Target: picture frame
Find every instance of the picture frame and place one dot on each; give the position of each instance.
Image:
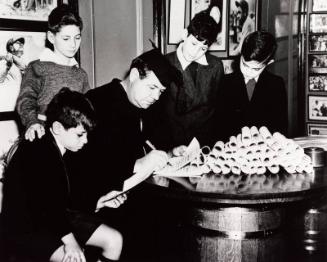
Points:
(317, 64)
(318, 43)
(27, 10)
(317, 129)
(318, 23)
(176, 14)
(317, 108)
(318, 83)
(241, 25)
(219, 12)
(319, 5)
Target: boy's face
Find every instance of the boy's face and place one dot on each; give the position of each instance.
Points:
(144, 92)
(72, 139)
(67, 41)
(252, 69)
(193, 49)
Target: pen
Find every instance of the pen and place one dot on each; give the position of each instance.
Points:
(150, 145)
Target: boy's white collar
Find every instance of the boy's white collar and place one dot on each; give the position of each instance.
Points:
(48, 55)
(202, 60)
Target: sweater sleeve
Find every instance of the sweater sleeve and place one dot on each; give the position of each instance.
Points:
(27, 106)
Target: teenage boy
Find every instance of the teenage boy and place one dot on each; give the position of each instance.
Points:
(186, 110)
(252, 96)
(39, 222)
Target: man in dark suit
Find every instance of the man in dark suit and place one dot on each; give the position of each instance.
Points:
(251, 95)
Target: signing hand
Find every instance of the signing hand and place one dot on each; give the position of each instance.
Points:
(35, 128)
(109, 200)
(153, 161)
(179, 151)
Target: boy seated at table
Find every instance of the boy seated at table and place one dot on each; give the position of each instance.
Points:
(39, 222)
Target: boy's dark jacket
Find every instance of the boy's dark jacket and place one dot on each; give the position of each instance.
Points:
(36, 193)
(268, 106)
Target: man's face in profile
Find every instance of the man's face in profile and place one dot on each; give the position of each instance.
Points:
(241, 15)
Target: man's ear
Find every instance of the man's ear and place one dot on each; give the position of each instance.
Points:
(184, 34)
(134, 74)
(50, 37)
(57, 127)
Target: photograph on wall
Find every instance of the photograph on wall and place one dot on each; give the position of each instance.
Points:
(318, 43)
(176, 25)
(317, 106)
(17, 49)
(318, 83)
(22, 46)
(318, 23)
(317, 64)
(242, 21)
(319, 5)
(317, 130)
(218, 10)
(37, 10)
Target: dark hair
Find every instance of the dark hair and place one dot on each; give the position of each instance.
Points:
(203, 27)
(71, 109)
(141, 66)
(61, 16)
(243, 5)
(259, 46)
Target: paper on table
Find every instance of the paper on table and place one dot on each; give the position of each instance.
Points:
(175, 163)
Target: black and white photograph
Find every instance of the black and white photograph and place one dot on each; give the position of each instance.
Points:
(318, 83)
(242, 21)
(37, 10)
(318, 43)
(318, 23)
(317, 106)
(163, 130)
(317, 130)
(218, 10)
(317, 64)
(319, 6)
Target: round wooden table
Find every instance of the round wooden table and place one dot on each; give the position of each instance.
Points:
(241, 206)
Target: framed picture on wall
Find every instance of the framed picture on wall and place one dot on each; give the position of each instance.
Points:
(319, 5)
(219, 13)
(318, 23)
(318, 83)
(317, 130)
(243, 19)
(318, 43)
(317, 108)
(26, 46)
(176, 24)
(317, 64)
(27, 9)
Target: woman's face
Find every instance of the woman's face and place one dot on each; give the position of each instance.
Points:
(202, 4)
(67, 41)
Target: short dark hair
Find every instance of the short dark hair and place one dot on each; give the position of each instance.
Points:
(71, 109)
(243, 5)
(203, 27)
(260, 46)
(154, 61)
(61, 16)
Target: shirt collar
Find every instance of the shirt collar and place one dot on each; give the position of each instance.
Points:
(248, 79)
(202, 60)
(48, 55)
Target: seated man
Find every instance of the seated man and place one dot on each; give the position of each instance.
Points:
(115, 150)
(252, 96)
(39, 222)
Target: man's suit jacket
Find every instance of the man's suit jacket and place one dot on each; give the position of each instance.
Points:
(268, 105)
